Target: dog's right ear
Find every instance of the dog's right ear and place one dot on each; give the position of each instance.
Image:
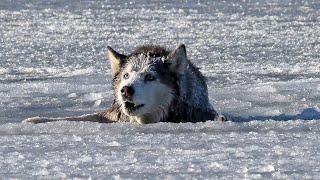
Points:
(116, 60)
(178, 59)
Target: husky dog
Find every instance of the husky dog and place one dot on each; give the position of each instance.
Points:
(153, 85)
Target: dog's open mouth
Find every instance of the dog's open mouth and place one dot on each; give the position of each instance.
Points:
(132, 107)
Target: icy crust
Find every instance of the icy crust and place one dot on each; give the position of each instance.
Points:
(238, 46)
(267, 149)
(269, 99)
(118, 129)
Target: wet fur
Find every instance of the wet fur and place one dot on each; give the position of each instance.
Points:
(189, 101)
(184, 107)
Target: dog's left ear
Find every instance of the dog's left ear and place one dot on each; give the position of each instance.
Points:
(116, 60)
(177, 59)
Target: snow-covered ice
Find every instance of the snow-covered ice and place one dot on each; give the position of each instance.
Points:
(261, 59)
(268, 149)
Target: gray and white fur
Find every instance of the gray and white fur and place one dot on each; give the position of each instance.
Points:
(153, 85)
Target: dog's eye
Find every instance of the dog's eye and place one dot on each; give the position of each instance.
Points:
(126, 76)
(149, 77)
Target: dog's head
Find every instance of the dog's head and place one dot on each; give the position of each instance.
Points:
(146, 81)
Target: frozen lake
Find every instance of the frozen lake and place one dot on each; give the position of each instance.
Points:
(261, 59)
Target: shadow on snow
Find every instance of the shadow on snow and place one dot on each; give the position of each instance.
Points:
(306, 114)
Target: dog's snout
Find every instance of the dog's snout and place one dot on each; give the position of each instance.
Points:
(127, 91)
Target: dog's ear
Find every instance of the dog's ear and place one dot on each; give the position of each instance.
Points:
(177, 59)
(116, 60)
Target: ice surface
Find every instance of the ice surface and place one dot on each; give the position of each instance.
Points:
(268, 149)
(261, 59)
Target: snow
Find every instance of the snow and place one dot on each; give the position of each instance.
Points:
(267, 149)
(261, 60)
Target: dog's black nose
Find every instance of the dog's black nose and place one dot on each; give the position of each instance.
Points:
(127, 91)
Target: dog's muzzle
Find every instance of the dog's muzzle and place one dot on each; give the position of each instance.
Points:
(127, 92)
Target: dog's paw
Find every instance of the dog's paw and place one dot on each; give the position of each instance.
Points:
(35, 120)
